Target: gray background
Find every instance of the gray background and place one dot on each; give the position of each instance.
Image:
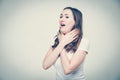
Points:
(27, 29)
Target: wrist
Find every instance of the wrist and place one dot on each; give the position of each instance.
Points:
(61, 44)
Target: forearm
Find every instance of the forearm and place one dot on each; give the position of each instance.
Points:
(70, 65)
(51, 59)
(65, 62)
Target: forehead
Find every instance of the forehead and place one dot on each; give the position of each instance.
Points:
(67, 11)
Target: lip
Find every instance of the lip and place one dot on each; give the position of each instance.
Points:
(62, 24)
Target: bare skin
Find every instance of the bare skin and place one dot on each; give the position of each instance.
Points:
(65, 38)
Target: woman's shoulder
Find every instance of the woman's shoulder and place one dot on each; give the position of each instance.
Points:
(84, 44)
(85, 40)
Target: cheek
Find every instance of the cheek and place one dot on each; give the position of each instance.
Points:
(70, 25)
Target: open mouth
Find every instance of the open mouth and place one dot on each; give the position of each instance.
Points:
(63, 25)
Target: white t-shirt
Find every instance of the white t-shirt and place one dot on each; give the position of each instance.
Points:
(77, 74)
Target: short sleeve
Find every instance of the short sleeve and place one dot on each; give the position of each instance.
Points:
(84, 44)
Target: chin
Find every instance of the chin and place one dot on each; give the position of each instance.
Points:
(64, 31)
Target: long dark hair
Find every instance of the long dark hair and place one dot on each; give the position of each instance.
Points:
(78, 25)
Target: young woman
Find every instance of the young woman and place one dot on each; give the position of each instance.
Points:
(69, 50)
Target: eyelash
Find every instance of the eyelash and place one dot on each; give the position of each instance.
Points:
(61, 16)
(65, 16)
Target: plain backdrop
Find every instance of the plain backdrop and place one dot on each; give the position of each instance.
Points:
(28, 27)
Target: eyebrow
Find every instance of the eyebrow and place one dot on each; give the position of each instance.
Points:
(65, 14)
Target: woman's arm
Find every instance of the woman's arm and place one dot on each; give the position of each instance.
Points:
(52, 56)
(74, 62)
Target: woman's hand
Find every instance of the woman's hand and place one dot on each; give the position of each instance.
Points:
(69, 37)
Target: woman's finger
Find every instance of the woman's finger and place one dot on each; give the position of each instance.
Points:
(71, 32)
(75, 37)
(75, 31)
(74, 34)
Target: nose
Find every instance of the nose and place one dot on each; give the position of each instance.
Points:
(62, 19)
